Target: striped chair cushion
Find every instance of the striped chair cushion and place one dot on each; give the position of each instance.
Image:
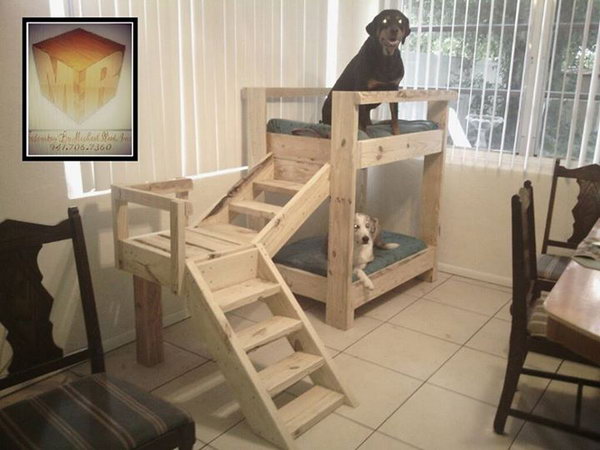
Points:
(550, 267)
(538, 319)
(96, 412)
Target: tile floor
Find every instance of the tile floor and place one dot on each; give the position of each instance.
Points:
(426, 362)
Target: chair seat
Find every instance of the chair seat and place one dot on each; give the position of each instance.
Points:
(98, 412)
(538, 320)
(550, 267)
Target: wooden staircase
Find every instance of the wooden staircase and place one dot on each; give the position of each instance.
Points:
(265, 223)
(214, 287)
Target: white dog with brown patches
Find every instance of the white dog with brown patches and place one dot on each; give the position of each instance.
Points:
(366, 234)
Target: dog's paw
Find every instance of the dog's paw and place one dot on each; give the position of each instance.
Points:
(369, 284)
(390, 246)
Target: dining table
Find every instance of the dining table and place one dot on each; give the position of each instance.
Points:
(573, 307)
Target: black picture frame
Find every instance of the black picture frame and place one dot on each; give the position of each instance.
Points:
(91, 153)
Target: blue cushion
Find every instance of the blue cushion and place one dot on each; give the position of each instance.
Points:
(309, 254)
(320, 130)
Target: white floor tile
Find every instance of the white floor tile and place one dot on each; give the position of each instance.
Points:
(386, 306)
(403, 350)
(481, 376)
(479, 299)
(504, 313)
(379, 441)
(206, 396)
(498, 287)
(418, 288)
(332, 433)
(494, 338)
(340, 339)
(122, 364)
(434, 418)
(440, 320)
(379, 391)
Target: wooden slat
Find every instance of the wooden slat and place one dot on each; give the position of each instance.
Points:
(299, 147)
(288, 371)
(195, 239)
(295, 170)
(162, 241)
(229, 270)
(375, 152)
(267, 331)
(403, 95)
(148, 322)
(255, 122)
(149, 199)
(278, 186)
(255, 209)
(167, 187)
(227, 231)
(244, 293)
(305, 411)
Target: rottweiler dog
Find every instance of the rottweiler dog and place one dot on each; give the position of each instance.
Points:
(376, 67)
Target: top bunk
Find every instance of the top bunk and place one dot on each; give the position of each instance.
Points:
(420, 138)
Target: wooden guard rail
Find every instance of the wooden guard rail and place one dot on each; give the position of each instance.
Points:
(156, 195)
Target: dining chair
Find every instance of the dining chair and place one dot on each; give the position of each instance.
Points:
(97, 411)
(585, 214)
(528, 327)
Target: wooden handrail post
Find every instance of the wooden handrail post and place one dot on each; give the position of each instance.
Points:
(120, 223)
(431, 187)
(344, 162)
(178, 220)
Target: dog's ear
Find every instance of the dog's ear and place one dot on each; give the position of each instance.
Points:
(372, 27)
(406, 28)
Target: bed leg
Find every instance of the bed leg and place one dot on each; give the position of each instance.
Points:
(148, 322)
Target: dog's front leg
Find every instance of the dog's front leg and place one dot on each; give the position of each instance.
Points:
(364, 117)
(364, 279)
(394, 122)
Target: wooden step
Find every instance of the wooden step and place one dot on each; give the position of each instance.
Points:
(254, 208)
(305, 411)
(244, 293)
(279, 186)
(267, 331)
(288, 371)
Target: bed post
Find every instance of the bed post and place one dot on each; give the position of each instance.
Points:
(344, 162)
(255, 118)
(433, 165)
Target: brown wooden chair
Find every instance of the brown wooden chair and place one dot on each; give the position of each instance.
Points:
(96, 411)
(585, 213)
(528, 328)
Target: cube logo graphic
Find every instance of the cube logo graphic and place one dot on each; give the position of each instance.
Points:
(78, 71)
(79, 89)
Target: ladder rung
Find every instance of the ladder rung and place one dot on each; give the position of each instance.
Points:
(305, 411)
(244, 293)
(253, 208)
(288, 371)
(279, 186)
(267, 331)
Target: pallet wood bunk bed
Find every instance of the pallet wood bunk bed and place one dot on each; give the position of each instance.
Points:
(219, 264)
(346, 155)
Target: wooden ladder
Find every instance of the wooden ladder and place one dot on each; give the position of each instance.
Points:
(226, 283)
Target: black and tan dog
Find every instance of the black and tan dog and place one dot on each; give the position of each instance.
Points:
(377, 66)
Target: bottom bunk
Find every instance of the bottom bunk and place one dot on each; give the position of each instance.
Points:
(303, 264)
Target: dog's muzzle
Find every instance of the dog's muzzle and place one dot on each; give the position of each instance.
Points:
(365, 239)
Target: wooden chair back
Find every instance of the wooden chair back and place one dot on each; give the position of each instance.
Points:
(523, 258)
(587, 209)
(25, 304)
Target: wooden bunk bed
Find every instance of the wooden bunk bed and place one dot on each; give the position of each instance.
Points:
(347, 155)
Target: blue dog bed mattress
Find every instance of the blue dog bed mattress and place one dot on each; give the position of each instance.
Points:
(309, 254)
(321, 130)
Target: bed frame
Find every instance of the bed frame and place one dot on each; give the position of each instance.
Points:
(347, 154)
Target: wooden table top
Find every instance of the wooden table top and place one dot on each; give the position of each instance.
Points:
(574, 301)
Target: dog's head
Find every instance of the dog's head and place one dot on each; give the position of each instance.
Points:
(390, 27)
(364, 229)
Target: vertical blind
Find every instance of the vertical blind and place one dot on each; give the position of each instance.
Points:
(526, 72)
(194, 59)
